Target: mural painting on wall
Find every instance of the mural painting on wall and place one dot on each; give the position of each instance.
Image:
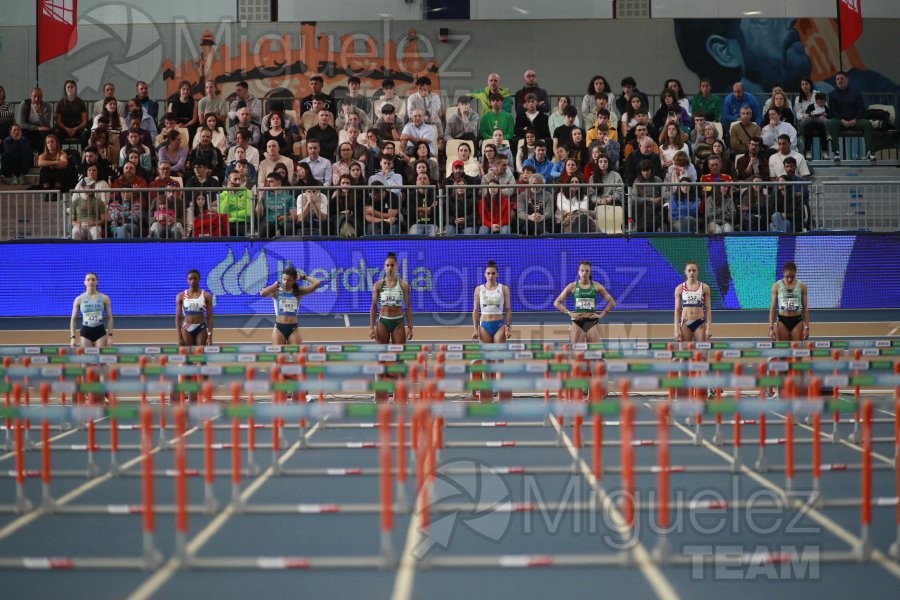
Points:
(762, 53)
(280, 69)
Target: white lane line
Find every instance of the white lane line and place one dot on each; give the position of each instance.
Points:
(406, 572)
(152, 585)
(642, 558)
(346, 320)
(848, 538)
(80, 490)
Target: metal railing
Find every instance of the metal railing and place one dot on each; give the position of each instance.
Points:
(511, 209)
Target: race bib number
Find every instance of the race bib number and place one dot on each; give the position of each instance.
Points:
(584, 304)
(287, 305)
(92, 318)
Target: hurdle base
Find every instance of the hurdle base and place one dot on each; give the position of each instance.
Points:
(151, 557)
(388, 556)
(401, 506)
(894, 550)
(48, 503)
(115, 469)
(23, 504)
(717, 438)
(92, 470)
(863, 550)
(662, 554)
(237, 504)
(210, 504)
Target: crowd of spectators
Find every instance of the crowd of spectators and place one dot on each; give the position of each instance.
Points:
(495, 162)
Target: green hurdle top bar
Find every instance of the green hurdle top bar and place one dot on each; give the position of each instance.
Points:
(533, 346)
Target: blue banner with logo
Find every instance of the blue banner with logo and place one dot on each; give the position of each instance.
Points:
(641, 273)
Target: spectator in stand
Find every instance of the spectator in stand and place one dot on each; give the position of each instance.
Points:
(426, 101)
(71, 114)
(558, 117)
(598, 86)
(535, 208)
(16, 157)
(645, 198)
(706, 103)
(541, 164)
(184, 107)
(525, 150)
(358, 99)
(680, 169)
(776, 161)
(531, 87)
(56, 173)
(671, 110)
(282, 136)
(242, 139)
(236, 201)
(311, 212)
(213, 103)
(647, 150)
(207, 153)
(675, 86)
(346, 209)
(138, 120)
(347, 109)
(563, 134)
(243, 98)
(814, 123)
(574, 208)
(36, 118)
(742, 130)
(88, 210)
(244, 122)
(422, 154)
(7, 114)
(493, 87)
(493, 208)
(600, 112)
(323, 133)
(629, 90)
(342, 164)
(752, 166)
(684, 208)
(417, 130)
(382, 209)
(847, 106)
(606, 144)
(130, 178)
(389, 97)
(629, 120)
(422, 206)
(471, 166)
(719, 149)
(133, 142)
(271, 158)
(109, 91)
(460, 202)
(463, 123)
(780, 101)
(126, 217)
(791, 198)
(174, 154)
(387, 127)
(496, 118)
(529, 117)
(718, 205)
(109, 117)
(671, 141)
(641, 131)
(165, 223)
(775, 128)
(319, 165)
(610, 187)
(733, 104)
(202, 178)
(316, 84)
(149, 106)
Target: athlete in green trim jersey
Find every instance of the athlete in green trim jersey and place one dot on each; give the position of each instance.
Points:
(585, 316)
(392, 294)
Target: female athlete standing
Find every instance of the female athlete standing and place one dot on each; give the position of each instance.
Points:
(93, 306)
(286, 295)
(585, 317)
(491, 312)
(194, 313)
(789, 310)
(392, 293)
(693, 311)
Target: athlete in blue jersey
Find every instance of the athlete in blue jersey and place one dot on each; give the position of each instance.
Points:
(194, 313)
(392, 294)
(93, 305)
(693, 310)
(491, 312)
(286, 295)
(789, 309)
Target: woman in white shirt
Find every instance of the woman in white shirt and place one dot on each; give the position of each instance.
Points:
(573, 209)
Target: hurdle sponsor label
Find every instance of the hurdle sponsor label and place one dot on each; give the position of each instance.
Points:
(373, 369)
(355, 385)
(291, 370)
(448, 410)
(882, 343)
(451, 385)
(662, 354)
(246, 358)
(455, 369)
(316, 357)
(743, 381)
(36, 350)
(387, 356)
(731, 353)
(454, 347)
(800, 352)
(129, 371)
(836, 380)
(211, 350)
(152, 350)
(178, 359)
(395, 348)
(703, 345)
(51, 371)
(822, 344)
(593, 355)
(257, 387)
(617, 367)
(700, 367)
(63, 387)
(210, 370)
(333, 348)
(763, 345)
(778, 366)
(536, 368)
(645, 382)
(871, 352)
(40, 360)
(453, 356)
(579, 347)
(93, 350)
(159, 387)
(642, 345)
(517, 346)
(858, 365)
(523, 355)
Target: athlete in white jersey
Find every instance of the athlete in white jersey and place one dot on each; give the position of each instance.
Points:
(392, 294)
(92, 305)
(286, 296)
(194, 313)
(693, 309)
(491, 311)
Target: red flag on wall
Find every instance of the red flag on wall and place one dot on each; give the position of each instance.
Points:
(850, 21)
(56, 30)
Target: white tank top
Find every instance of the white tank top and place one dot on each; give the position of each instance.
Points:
(492, 302)
(693, 298)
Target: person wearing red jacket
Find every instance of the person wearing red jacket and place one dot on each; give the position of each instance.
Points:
(493, 208)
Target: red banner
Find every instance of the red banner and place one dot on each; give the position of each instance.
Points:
(850, 20)
(56, 29)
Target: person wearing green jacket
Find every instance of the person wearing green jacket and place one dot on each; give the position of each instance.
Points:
(493, 87)
(237, 202)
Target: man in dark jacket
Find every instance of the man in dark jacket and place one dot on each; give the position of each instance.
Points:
(848, 106)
